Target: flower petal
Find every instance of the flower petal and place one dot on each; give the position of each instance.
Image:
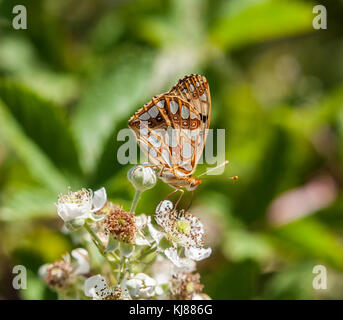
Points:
(182, 264)
(197, 254)
(99, 199)
(70, 211)
(82, 258)
(141, 241)
(164, 207)
(141, 221)
(95, 286)
(155, 234)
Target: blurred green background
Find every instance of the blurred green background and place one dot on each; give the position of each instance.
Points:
(72, 79)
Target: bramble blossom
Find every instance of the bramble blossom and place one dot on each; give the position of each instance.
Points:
(182, 229)
(80, 204)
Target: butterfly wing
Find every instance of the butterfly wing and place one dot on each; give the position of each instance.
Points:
(195, 89)
(167, 130)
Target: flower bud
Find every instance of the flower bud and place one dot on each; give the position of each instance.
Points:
(74, 224)
(142, 177)
(112, 244)
(126, 249)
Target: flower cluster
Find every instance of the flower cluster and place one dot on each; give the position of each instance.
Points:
(133, 256)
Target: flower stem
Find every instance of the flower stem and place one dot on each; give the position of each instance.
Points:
(135, 201)
(100, 246)
(147, 251)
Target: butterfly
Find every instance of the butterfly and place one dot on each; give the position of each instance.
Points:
(172, 130)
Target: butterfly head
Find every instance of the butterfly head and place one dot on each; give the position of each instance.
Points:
(193, 183)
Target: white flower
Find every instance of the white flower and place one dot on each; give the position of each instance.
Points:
(184, 230)
(141, 286)
(80, 204)
(181, 228)
(97, 288)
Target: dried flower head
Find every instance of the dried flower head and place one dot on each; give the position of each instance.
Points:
(119, 223)
(184, 286)
(58, 275)
(61, 274)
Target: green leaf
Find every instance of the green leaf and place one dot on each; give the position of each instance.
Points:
(240, 245)
(246, 22)
(28, 204)
(292, 282)
(112, 97)
(309, 238)
(108, 165)
(233, 281)
(40, 166)
(44, 124)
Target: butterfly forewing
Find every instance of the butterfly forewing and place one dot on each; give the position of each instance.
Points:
(194, 88)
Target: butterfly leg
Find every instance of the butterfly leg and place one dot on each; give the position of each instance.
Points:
(182, 193)
(160, 174)
(190, 201)
(171, 193)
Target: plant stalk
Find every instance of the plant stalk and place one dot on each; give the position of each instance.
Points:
(135, 200)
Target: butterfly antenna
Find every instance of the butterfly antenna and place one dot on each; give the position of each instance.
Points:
(223, 178)
(226, 162)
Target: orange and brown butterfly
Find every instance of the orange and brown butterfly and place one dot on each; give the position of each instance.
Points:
(172, 129)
